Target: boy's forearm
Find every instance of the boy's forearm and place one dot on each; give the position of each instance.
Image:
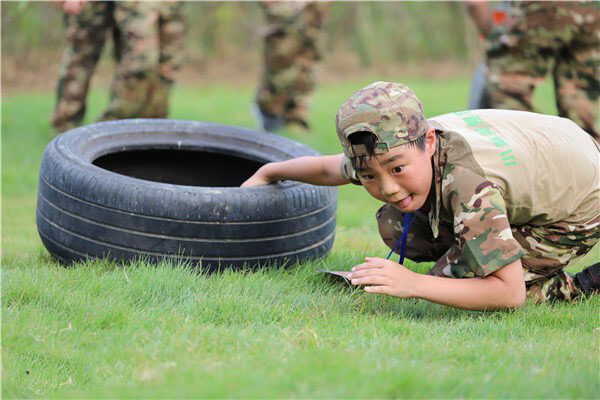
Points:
(322, 170)
(490, 293)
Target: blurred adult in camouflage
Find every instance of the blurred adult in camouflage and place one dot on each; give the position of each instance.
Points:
(485, 18)
(148, 45)
(87, 25)
(152, 38)
(561, 37)
(292, 47)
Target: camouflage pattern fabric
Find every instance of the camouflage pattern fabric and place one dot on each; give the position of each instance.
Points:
(559, 286)
(391, 111)
(152, 36)
(421, 245)
(548, 249)
(292, 47)
(86, 33)
(561, 37)
(148, 46)
(475, 207)
(473, 239)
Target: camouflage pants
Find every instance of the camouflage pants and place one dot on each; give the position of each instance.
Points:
(148, 44)
(152, 38)
(86, 33)
(561, 37)
(292, 47)
(548, 250)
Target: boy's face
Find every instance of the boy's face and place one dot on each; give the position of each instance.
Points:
(402, 176)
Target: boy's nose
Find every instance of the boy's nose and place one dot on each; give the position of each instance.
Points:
(389, 187)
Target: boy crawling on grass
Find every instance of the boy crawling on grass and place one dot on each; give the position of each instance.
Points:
(507, 199)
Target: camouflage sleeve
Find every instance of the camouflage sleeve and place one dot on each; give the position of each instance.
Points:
(348, 172)
(483, 236)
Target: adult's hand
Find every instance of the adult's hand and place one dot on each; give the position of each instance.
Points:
(481, 14)
(72, 7)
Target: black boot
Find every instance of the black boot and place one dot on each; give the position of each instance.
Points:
(266, 121)
(588, 280)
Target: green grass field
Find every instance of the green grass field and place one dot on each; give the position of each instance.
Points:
(101, 329)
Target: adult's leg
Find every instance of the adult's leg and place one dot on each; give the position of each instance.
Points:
(292, 49)
(171, 37)
(516, 64)
(577, 71)
(86, 34)
(313, 17)
(137, 71)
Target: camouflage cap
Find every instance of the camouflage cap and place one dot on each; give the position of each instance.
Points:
(391, 111)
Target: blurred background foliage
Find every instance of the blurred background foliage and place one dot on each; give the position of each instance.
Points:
(371, 32)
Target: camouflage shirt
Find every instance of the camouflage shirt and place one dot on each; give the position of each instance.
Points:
(497, 168)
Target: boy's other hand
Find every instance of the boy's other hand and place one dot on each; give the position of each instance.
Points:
(384, 276)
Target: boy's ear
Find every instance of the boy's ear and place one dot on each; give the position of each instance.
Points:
(430, 142)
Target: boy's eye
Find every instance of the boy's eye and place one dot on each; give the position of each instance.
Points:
(398, 169)
(367, 177)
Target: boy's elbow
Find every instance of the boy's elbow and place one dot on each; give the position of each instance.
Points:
(512, 284)
(521, 297)
(512, 296)
(516, 299)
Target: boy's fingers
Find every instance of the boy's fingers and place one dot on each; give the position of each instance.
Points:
(370, 280)
(377, 289)
(253, 181)
(366, 265)
(361, 273)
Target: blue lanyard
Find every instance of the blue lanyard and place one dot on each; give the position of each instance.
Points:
(404, 238)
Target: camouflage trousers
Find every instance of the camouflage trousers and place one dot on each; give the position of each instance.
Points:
(86, 33)
(148, 45)
(292, 47)
(548, 250)
(560, 37)
(152, 39)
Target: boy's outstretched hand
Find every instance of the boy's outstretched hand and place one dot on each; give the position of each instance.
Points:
(384, 276)
(258, 179)
(321, 170)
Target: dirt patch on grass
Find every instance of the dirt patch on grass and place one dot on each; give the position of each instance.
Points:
(38, 72)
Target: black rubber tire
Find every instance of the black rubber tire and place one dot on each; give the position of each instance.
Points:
(84, 211)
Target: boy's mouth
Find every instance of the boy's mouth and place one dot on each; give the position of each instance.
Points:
(405, 202)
